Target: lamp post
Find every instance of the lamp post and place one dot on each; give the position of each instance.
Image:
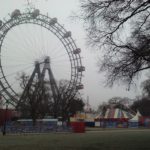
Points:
(5, 119)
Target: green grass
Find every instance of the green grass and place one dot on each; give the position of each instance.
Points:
(102, 140)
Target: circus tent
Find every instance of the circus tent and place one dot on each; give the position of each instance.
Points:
(115, 117)
(134, 122)
(116, 113)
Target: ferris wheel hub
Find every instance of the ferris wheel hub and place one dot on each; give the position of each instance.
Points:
(36, 62)
(47, 59)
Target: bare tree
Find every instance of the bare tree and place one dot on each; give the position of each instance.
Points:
(1, 102)
(102, 108)
(40, 102)
(37, 102)
(146, 88)
(142, 105)
(121, 28)
(68, 105)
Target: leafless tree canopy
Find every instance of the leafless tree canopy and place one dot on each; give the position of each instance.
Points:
(37, 103)
(146, 88)
(40, 102)
(121, 28)
(1, 103)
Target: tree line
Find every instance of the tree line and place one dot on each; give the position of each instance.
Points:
(39, 104)
(141, 103)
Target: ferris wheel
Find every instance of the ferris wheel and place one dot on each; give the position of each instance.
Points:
(29, 37)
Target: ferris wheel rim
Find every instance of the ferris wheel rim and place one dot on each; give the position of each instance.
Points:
(43, 21)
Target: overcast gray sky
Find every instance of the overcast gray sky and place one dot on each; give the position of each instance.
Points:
(92, 80)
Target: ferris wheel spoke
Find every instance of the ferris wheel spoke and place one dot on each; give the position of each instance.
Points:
(56, 49)
(58, 52)
(28, 40)
(15, 62)
(16, 49)
(57, 60)
(39, 42)
(13, 57)
(19, 65)
(20, 38)
(36, 42)
(42, 41)
(12, 45)
(63, 75)
(62, 66)
(60, 55)
(47, 44)
(21, 70)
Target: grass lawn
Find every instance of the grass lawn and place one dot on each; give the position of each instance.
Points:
(101, 140)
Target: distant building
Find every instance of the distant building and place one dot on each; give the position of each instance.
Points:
(7, 115)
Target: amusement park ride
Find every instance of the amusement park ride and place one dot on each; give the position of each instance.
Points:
(33, 17)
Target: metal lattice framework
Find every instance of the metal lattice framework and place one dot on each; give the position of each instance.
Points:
(58, 30)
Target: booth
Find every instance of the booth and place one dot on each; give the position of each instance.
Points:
(115, 118)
